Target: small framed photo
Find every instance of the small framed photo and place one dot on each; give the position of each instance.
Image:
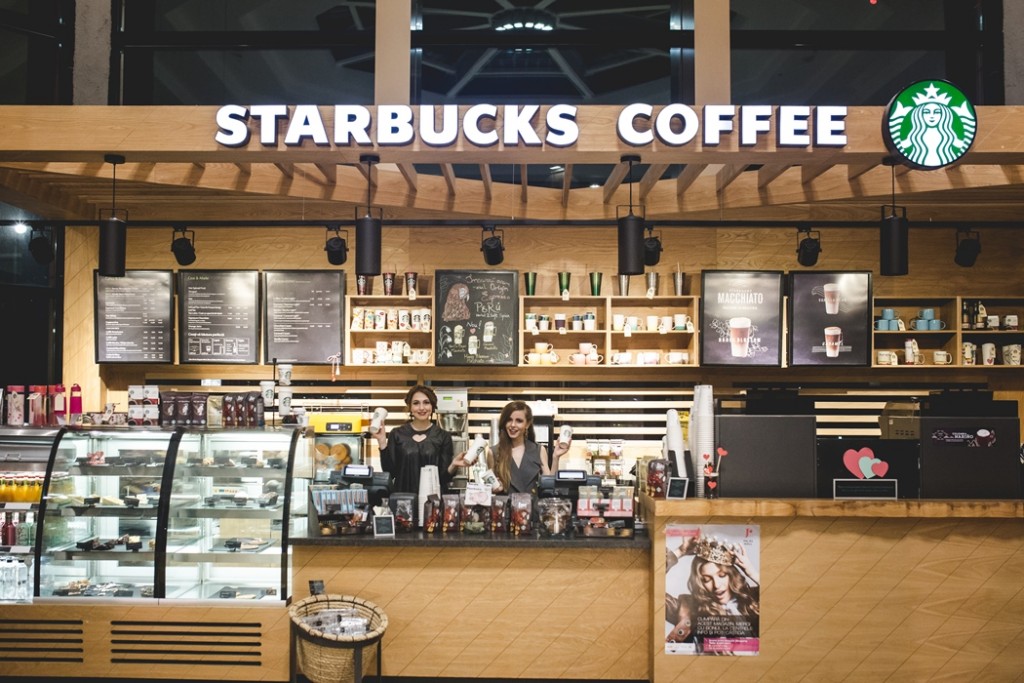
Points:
(383, 526)
(677, 487)
(316, 587)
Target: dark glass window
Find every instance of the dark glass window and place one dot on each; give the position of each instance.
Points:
(36, 46)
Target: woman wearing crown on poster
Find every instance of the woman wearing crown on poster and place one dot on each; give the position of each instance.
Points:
(722, 580)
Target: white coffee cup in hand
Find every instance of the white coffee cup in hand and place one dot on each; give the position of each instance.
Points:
(377, 421)
(476, 449)
(565, 435)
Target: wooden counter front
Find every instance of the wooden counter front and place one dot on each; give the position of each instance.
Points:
(910, 590)
(509, 609)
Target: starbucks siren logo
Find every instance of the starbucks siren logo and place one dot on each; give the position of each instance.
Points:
(929, 124)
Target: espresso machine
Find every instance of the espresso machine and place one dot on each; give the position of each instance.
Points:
(453, 417)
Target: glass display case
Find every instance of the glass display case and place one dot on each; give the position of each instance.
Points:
(24, 456)
(231, 514)
(100, 514)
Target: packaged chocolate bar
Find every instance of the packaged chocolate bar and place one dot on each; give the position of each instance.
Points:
(167, 409)
(229, 412)
(475, 518)
(432, 514)
(198, 409)
(183, 408)
(555, 516)
(657, 478)
(521, 513)
(402, 507)
(214, 411)
(452, 513)
(499, 514)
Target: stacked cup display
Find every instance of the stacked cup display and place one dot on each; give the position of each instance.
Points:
(702, 432)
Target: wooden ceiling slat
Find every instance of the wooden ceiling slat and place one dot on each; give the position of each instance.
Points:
(485, 179)
(809, 172)
(408, 172)
(615, 180)
(650, 179)
(448, 172)
(727, 174)
(769, 172)
(686, 177)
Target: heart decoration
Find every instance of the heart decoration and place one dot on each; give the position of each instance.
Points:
(852, 459)
(879, 468)
(722, 452)
(712, 484)
(706, 457)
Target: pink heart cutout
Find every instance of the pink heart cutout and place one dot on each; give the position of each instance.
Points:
(706, 456)
(851, 460)
(879, 468)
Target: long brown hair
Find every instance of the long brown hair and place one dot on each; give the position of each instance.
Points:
(502, 464)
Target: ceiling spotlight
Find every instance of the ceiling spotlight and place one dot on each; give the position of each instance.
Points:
(40, 248)
(183, 246)
(968, 246)
(368, 227)
(652, 247)
(808, 248)
(336, 246)
(493, 247)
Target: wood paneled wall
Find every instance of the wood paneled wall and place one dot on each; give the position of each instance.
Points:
(547, 250)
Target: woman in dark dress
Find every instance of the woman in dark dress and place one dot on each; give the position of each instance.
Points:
(418, 442)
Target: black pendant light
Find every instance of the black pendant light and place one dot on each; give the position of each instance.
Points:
(631, 231)
(368, 227)
(113, 229)
(894, 235)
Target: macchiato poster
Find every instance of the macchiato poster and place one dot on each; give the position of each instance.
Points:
(712, 589)
(830, 318)
(741, 317)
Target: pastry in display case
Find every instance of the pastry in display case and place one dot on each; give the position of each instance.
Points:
(230, 514)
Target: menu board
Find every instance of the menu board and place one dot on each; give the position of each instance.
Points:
(477, 312)
(134, 317)
(830, 318)
(741, 317)
(304, 312)
(218, 315)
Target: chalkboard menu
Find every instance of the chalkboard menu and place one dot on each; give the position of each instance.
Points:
(741, 318)
(304, 312)
(476, 312)
(218, 313)
(134, 317)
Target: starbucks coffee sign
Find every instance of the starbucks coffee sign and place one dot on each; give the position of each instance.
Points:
(929, 125)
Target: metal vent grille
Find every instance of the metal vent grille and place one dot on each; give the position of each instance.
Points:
(187, 643)
(41, 640)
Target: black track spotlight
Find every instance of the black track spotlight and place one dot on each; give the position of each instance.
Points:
(183, 245)
(968, 246)
(368, 227)
(113, 230)
(631, 231)
(894, 234)
(493, 247)
(652, 247)
(40, 247)
(336, 245)
(807, 248)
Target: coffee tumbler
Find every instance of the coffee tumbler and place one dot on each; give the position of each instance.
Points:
(563, 281)
(595, 284)
(530, 279)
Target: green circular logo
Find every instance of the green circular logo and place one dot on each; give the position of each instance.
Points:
(929, 125)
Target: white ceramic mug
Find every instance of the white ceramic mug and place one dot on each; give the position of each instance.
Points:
(578, 358)
(532, 358)
(618, 322)
(587, 348)
(942, 357)
(886, 357)
(677, 357)
(595, 359)
(988, 354)
(543, 347)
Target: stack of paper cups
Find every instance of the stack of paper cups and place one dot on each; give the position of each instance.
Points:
(702, 434)
(430, 485)
(674, 441)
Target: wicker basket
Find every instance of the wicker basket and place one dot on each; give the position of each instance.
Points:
(327, 658)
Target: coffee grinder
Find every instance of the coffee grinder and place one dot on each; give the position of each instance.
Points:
(453, 417)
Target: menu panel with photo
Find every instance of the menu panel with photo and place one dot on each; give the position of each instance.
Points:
(741, 317)
(830, 318)
(219, 316)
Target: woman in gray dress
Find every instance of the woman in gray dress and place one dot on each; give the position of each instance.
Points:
(519, 461)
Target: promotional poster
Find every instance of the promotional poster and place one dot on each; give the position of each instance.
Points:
(712, 589)
(830, 318)
(741, 318)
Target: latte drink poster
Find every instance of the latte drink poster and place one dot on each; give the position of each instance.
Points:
(830, 318)
(741, 317)
(712, 589)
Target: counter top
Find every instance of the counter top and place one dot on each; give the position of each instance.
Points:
(822, 507)
(488, 540)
